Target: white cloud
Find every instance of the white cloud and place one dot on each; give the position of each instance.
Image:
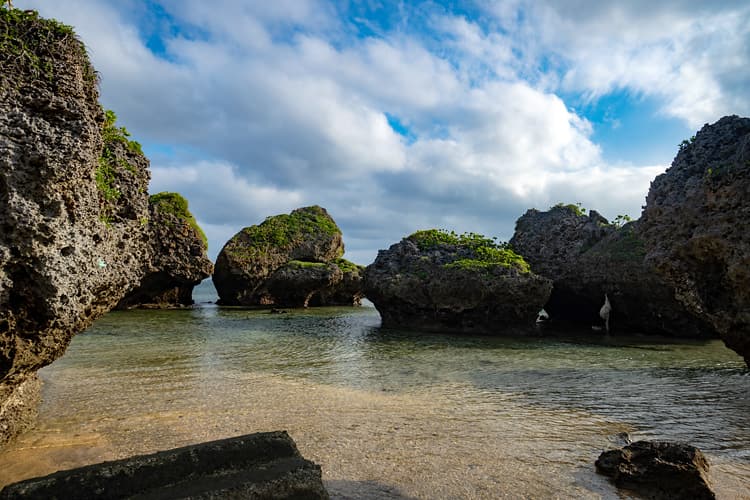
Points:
(691, 55)
(269, 112)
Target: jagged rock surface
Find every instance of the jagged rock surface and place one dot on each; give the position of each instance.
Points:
(289, 260)
(263, 465)
(587, 257)
(178, 256)
(69, 249)
(696, 226)
(659, 470)
(417, 287)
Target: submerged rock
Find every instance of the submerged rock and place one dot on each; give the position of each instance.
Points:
(658, 470)
(72, 198)
(289, 260)
(588, 258)
(434, 280)
(696, 228)
(178, 256)
(262, 465)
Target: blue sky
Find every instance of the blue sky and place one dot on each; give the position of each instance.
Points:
(398, 116)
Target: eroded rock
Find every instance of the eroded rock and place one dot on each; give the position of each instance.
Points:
(178, 256)
(696, 228)
(587, 257)
(289, 260)
(659, 470)
(263, 465)
(72, 195)
(438, 281)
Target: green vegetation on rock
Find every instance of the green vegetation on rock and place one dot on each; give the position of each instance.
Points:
(348, 266)
(488, 257)
(627, 246)
(175, 204)
(112, 134)
(575, 208)
(282, 231)
(110, 163)
(302, 264)
(431, 238)
(486, 252)
(32, 45)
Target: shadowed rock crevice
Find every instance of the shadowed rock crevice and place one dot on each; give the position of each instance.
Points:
(587, 257)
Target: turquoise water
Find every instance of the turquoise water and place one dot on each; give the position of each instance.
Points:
(390, 413)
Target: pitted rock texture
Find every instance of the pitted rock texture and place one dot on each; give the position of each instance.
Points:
(424, 289)
(289, 260)
(68, 249)
(256, 466)
(696, 226)
(658, 469)
(587, 257)
(178, 256)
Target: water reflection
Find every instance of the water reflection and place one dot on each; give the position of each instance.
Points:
(462, 414)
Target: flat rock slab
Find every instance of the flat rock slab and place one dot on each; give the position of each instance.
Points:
(658, 470)
(263, 465)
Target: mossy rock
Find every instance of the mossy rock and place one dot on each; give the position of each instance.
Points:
(306, 236)
(34, 49)
(442, 281)
(470, 251)
(175, 204)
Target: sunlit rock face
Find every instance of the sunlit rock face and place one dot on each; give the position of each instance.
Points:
(696, 227)
(72, 198)
(587, 257)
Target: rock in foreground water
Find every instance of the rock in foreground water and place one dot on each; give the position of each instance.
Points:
(434, 280)
(263, 465)
(696, 226)
(658, 470)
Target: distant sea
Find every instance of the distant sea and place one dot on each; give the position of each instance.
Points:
(388, 413)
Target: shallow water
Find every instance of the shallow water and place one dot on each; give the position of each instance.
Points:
(388, 414)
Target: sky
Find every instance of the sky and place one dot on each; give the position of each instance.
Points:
(397, 116)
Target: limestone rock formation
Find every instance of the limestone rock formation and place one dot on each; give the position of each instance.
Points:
(289, 260)
(72, 197)
(696, 227)
(587, 257)
(178, 256)
(262, 465)
(434, 280)
(659, 470)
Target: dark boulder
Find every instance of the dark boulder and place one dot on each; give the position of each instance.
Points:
(263, 465)
(587, 257)
(178, 256)
(433, 280)
(696, 228)
(658, 470)
(72, 198)
(289, 260)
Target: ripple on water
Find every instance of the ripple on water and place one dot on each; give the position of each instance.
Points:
(388, 412)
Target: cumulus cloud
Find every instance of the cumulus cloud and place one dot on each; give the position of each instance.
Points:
(692, 55)
(253, 109)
